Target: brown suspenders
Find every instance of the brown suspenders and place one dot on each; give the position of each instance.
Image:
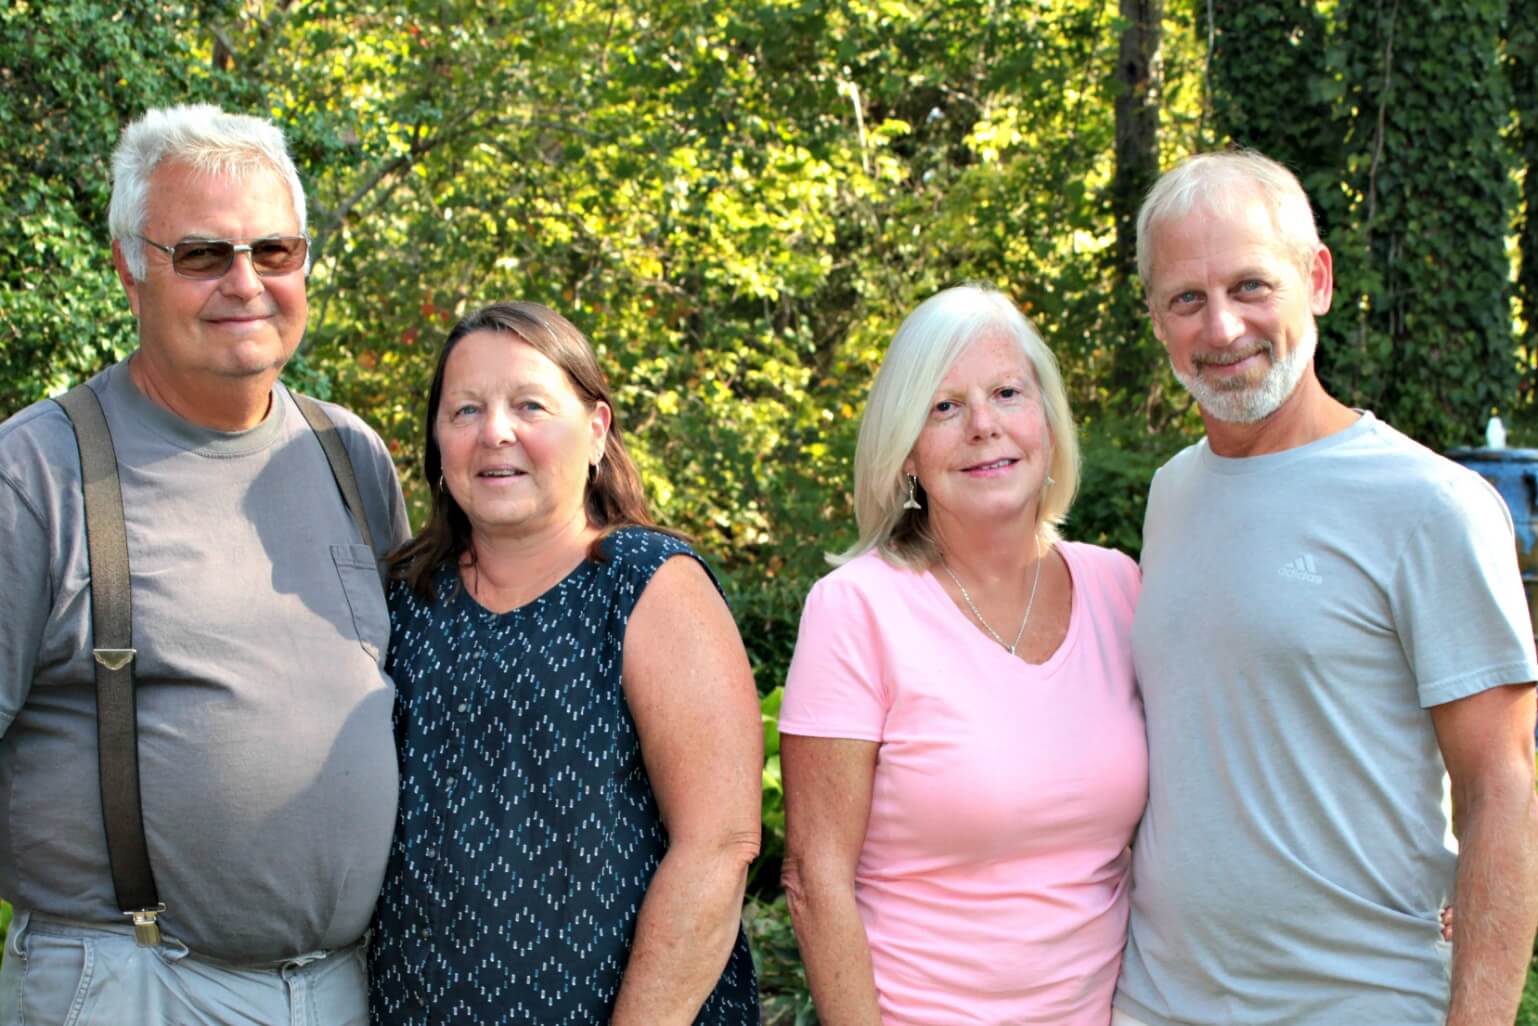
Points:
(117, 750)
(336, 458)
(133, 879)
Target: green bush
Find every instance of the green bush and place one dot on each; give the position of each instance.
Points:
(1527, 1013)
(777, 957)
(1118, 457)
(764, 878)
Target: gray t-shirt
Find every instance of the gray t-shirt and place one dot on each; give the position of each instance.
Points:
(266, 753)
(1299, 613)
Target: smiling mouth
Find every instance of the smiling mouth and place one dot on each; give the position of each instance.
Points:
(501, 472)
(238, 319)
(991, 465)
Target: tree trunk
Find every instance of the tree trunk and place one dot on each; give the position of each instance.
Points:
(1136, 357)
(1137, 124)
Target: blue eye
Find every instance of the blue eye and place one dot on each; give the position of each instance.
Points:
(944, 406)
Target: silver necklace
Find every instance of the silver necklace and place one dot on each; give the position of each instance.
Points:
(986, 625)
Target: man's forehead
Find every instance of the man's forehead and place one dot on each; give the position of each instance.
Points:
(1242, 208)
(183, 194)
(1241, 236)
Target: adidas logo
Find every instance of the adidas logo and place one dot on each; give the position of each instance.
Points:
(1301, 569)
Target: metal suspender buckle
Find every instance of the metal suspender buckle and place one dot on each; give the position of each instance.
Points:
(114, 658)
(146, 929)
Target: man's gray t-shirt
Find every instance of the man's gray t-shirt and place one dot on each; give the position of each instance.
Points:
(266, 752)
(1299, 613)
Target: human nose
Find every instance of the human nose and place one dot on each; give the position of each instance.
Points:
(241, 280)
(981, 419)
(497, 429)
(1225, 325)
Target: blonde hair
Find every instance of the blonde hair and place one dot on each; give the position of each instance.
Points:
(922, 352)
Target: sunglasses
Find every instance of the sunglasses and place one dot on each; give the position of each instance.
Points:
(206, 259)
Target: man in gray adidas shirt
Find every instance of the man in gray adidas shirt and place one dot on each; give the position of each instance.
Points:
(266, 755)
(1331, 617)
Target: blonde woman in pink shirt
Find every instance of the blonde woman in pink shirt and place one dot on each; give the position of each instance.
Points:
(962, 737)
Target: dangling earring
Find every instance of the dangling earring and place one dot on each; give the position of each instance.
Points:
(913, 498)
(442, 484)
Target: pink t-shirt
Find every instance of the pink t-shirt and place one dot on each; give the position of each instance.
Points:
(993, 880)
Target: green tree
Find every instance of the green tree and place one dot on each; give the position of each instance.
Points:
(1393, 115)
(72, 73)
(1427, 334)
(1522, 72)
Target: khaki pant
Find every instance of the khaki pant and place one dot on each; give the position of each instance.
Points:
(59, 973)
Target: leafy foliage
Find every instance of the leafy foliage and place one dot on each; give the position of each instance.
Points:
(1527, 1011)
(740, 201)
(1394, 116)
(782, 983)
(1522, 73)
(766, 871)
(737, 202)
(71, 74)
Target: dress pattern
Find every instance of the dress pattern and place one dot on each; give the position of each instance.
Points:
(527, 832)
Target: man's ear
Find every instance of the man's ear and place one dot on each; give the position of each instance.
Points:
(1321, 281)
(124, 275)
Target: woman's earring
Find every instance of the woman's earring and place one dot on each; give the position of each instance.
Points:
(442, 484)
(1051, 480)
(913, 498)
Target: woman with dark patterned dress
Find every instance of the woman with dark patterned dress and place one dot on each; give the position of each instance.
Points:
(578, 729)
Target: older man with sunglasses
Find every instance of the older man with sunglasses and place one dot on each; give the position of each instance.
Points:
(236, 879)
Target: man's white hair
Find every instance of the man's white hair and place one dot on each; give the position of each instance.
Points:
(209, 140)
(1217, 182)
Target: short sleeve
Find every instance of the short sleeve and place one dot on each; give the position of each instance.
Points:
(1123, 570)
(1458, 602)
(836, 686)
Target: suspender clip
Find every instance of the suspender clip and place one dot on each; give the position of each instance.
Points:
(114, 659)
(146, 929)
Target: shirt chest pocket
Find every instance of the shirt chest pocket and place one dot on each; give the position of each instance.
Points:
(359, 575)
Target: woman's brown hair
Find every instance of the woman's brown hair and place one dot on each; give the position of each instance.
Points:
(614, 496)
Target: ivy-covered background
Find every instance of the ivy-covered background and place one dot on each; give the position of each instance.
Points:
(739, 201)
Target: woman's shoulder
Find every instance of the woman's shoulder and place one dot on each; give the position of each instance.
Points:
(642, 549)
(407, 606)
(1099, 556)
(868, 578)
(639, 552)
(631, 556)
(1102, 569)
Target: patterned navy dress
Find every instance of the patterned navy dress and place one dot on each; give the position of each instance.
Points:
(527, 831)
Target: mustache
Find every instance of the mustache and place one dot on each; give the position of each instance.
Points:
(1232, 356)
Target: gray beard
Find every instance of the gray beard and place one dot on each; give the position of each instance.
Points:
(1255, 403)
